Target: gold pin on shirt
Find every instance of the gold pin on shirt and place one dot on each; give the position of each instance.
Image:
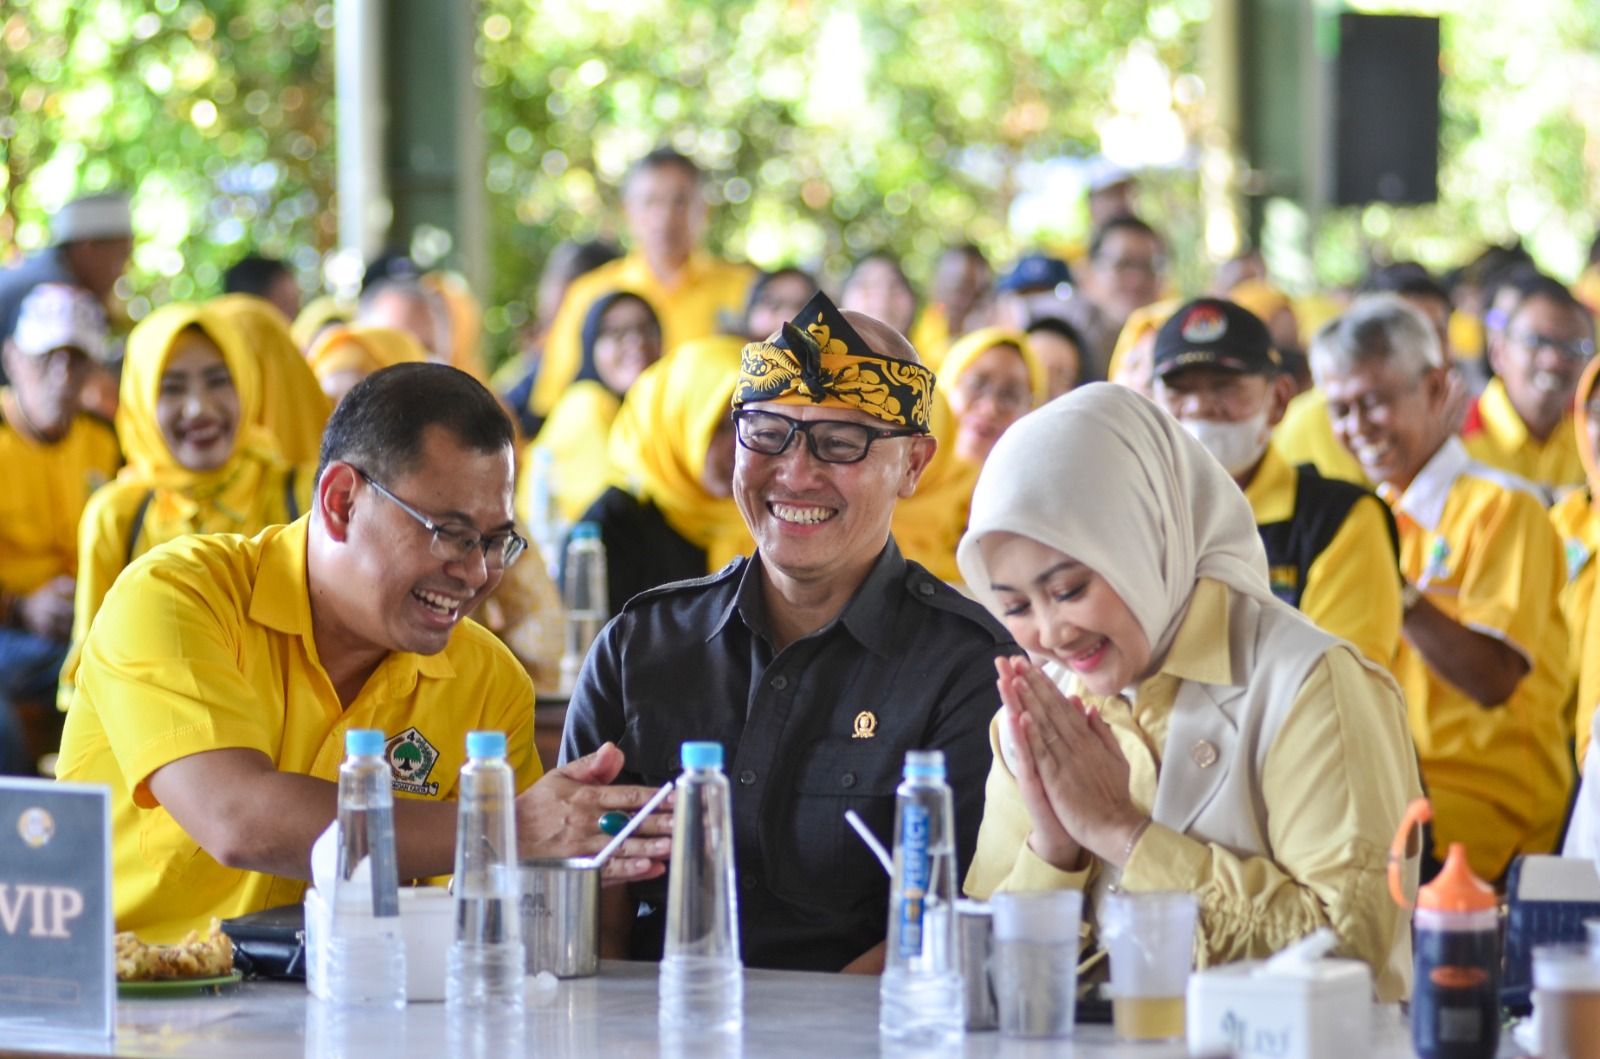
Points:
(866, 725)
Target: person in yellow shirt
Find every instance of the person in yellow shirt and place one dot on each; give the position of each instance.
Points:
(1332, 549)
(1483, 656)
(293, 407)
(52, 456)
(1522, 422)
(343, 355)
(1179, 727)
(688, 288)
(199, 460)
(216, 686)
(1577, 519)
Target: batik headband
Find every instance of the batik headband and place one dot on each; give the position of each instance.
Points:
(829, 364)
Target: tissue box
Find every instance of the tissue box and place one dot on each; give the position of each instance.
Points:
(1320, 1009)
(426, 924)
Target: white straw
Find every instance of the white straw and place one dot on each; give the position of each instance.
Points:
(870, 839)
(630, 827)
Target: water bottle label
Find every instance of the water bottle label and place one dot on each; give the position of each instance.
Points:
(916, 867)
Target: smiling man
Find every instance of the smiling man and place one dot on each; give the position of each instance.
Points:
(1482, 658)
(817, 663)
(219, 678)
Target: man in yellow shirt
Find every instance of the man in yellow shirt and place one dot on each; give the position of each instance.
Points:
(688, 288)
(1483, 657)
(1522, 423)
(1331, 546)
(52, 456)
(220, 676)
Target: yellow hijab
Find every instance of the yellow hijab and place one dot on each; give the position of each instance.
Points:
(928, 524)
(293, 407)
(1580, 415)
(314, 316)
(975, 344)
(184, 500)
(662, 435)
(364, 349)
(1145, 320)
(466, 322)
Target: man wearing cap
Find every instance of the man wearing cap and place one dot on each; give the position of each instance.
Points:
(817, 663)
(53, 455)
(1332, 548)
(91, 239)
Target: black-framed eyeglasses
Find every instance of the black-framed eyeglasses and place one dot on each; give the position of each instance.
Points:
(830, 440)
(455, 545)
(1575, 349)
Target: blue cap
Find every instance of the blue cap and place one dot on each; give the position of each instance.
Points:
(1035, 272)
(924, 764)
(702, 755)
(363, 742)
(586, 531)
(486, 744)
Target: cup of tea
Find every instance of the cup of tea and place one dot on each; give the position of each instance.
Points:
(1035, 961)
(1150, 938)
(1566, 991)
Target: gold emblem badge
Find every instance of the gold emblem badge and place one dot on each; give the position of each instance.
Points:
(866, 725)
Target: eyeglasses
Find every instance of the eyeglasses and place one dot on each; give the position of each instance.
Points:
(974, 388)
(830, 440)
(453, 545)
(1577, 349)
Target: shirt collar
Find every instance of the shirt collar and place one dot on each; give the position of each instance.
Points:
(1271, 491)
(1500, 418)
(637, 273)
(866, 616)
(1424, 499)
(1195, 654)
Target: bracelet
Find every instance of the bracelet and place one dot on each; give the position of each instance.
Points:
(1133, 839)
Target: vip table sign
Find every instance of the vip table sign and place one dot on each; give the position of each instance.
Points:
(56, 971)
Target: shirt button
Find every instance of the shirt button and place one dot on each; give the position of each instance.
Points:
(780, 682)
(924, 589)
(848, 779)
(747, 777)
(1204, 754)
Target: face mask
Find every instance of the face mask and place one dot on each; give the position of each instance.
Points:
(1237, 446)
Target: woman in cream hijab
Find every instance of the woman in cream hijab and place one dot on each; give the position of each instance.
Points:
(1179, 728)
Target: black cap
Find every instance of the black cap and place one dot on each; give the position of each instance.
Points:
(1212, 332)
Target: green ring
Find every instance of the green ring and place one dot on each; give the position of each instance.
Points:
(613, 822)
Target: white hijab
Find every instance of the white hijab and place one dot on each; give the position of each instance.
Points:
(1108, 478)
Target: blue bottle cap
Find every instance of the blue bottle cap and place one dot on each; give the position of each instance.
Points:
(586, 531)
(363, 742)
(924, 764)
(486, 744)
(702, 755)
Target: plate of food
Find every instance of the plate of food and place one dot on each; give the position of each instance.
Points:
(197, 964)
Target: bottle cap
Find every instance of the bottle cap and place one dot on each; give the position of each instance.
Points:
(1456, 888)
(702, 755)
(924, 764)
(586, 531)
(363, 742)
(486, 744)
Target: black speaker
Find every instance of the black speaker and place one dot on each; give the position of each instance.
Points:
(1384, 104)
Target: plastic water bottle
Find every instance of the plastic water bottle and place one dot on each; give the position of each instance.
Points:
(586, 599)
(920, 992)
(702, 978)
(366, 955)
(545, 523)
(486, 968)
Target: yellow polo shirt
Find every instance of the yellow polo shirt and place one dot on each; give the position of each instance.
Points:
(1352, 589)
(1335, 781)
(1477, 542)
(707, 290)
(1578, 523)
(1498, 437)
(206, 643)
(43, 490)
(1306, 436)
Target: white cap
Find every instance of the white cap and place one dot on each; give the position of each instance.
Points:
(107, 215)
(1102, 174)
(56, 315)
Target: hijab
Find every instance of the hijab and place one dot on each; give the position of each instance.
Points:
(662, 435)
(959, 358)
(1580, 416)
(293, 407)
(466, 322)
(587, 369)
(1129, 494)
(365, 349)
(317, 314)
(927, 525)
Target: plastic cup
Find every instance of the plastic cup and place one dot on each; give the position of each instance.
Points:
(1035, 962)
(1150, 938)
(1566, 990)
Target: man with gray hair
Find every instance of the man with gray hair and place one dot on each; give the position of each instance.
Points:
(1483, 649)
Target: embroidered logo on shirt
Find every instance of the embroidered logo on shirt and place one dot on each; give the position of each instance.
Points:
(411, 758)
(1437, 567)
(866, 725)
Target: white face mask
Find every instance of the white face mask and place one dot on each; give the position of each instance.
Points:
(1237, 446)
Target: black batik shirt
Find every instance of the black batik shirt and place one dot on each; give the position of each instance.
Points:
(811, 731)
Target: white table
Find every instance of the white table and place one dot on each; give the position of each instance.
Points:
(613, 1017)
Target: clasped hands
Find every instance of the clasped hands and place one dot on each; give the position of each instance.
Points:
(559, 816)
(1072, 775)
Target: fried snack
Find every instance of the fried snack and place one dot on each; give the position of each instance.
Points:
(193, 957)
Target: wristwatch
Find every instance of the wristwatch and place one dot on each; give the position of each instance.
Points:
(1409, 594)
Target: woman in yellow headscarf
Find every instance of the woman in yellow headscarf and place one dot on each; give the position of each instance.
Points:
(317, 316)
(198, 460)
(466, 322)
(992, 378)
(670, 513)
(1130, 358)
(293, 408)
(928, 524)
(344, 355)
(1577, 519)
